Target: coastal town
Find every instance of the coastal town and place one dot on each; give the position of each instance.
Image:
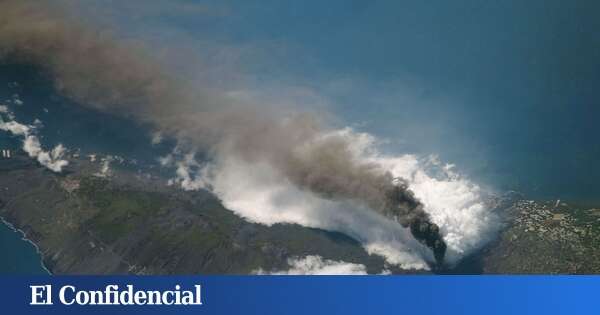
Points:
(546, 237)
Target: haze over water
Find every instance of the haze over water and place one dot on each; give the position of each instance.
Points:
(506, 90)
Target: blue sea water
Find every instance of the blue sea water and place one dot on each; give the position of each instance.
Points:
(18, 255)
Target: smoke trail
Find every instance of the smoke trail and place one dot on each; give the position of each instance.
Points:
(115, 76)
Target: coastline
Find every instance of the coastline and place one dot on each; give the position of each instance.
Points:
(24, 238)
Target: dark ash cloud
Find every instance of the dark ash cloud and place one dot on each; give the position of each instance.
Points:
(120, 77)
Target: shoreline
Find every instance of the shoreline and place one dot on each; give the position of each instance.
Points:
(24, 238)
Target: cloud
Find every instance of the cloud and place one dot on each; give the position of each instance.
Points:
(53, 160)
(454, 203)
(15, 128)
(267, 162)
(105, 167)
(190, 174)
(316, 265)
(4, 110)
(157, 138)
(260, 193)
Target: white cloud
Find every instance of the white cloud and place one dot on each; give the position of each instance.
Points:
(53, 159)
(105, 167)
(157, 138)
(32, 146)
(454, 203)
(16, 99)
(259, 193)
(166, 160)
(316, 265)
(15, 128)
(190, 174)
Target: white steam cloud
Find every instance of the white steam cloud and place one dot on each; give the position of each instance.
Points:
(316, 265)
(189, 173)
(259, 193)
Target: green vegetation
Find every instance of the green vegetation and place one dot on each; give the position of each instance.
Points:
(119, 211)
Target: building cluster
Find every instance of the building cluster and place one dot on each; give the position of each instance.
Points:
(548, 224)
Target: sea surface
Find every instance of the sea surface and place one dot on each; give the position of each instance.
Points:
(19, 256)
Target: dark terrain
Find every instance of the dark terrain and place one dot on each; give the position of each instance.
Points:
(133, 223)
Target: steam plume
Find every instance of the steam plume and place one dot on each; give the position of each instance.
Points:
(116, 77)
(316, 265)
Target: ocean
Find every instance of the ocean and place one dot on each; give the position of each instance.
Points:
(20, 257)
